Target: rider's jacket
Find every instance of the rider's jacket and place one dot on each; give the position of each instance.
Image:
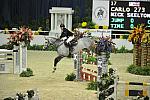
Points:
(66, 33)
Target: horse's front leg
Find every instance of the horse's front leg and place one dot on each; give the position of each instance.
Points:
(57, 59)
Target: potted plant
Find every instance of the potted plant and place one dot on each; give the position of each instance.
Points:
(22, 36)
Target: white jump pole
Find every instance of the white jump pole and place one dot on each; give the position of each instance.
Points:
(77, 65)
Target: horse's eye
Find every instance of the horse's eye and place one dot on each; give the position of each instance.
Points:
(46, 42)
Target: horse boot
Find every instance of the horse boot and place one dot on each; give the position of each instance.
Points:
(70, 48)
(66, 44)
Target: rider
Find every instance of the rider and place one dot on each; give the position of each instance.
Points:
(66, 35)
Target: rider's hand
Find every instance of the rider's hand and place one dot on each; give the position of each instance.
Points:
(61, 39)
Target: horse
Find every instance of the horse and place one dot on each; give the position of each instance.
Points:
(63, 50)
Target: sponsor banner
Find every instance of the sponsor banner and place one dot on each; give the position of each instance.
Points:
(100, 13)
(97, 32)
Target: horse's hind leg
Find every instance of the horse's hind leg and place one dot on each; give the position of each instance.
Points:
(57, 59)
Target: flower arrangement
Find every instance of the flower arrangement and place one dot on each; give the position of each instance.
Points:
(96, 26)
(24, 35)
(137, 34)
(84, 24)
(6, 31)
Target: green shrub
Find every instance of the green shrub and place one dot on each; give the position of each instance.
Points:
(7, 46)
(92, 86)
(138, 70)
(91, 25)
(123, 50)
(35, 47)
(106, 81)
(125, 36)
(92, 59)
(109, 63)
(21, 96)
(9, 98)
(70, 77)
(40, 47)
(27, 73)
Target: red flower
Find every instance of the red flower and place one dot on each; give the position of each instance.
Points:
(23, 35)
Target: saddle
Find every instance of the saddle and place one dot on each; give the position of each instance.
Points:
(72, 43)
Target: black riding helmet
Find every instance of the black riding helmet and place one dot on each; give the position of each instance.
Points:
(62, 25)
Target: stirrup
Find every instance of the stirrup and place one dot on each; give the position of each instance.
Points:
(66, 44)
(74, 42)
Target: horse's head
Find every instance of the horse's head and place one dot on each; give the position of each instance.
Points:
(49, 41)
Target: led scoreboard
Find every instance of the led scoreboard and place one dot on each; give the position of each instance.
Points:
(126, 15)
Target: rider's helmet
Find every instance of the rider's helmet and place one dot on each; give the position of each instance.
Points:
(62, 25)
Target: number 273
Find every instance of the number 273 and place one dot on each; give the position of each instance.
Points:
(139, 9)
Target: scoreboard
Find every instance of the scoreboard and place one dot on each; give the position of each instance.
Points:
(125, 15)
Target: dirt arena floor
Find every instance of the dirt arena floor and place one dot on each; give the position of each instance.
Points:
(52, 86)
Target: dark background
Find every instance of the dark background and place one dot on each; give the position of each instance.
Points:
(35, 13)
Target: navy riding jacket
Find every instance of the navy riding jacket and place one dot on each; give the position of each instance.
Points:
(66, 33)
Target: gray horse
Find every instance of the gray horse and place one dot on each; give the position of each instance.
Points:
(63, 51)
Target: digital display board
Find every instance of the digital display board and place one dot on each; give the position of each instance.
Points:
(125, 15)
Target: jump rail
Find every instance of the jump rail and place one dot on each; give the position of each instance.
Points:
(13, 61)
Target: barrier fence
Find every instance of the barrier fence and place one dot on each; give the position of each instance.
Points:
(83, 73)
(13, 61)
(88, 74)
(136, 92)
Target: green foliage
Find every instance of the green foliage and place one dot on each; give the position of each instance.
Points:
(51, 48)
(109, 63)
(138, 70)
(70, 77)
(106, 81)
(92, 59)
(27, 73)
(91, 25)
(40, 47)
(35, 47)
(125, 36)
(30, 93)
(123, 50)
(92, 86)
(29, 47)
(9, 98)
(21, 96)
(6, 46)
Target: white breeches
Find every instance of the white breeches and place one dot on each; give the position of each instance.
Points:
(69, 39)
(63, 38)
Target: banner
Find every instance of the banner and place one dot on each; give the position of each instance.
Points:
(97, 32)
(100, 13)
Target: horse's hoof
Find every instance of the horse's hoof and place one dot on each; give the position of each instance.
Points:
(53, 70)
